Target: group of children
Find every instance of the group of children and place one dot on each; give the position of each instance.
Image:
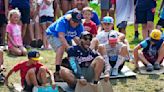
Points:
(110, 44)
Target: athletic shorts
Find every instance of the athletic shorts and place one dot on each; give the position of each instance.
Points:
(46, 19)
(28, 88)
(123, 24)
(161, 22)
(149, 58)
(54, 42)
(144, 16)
(3, 19)
(105, 4)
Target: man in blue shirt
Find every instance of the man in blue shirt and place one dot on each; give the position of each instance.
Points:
(61, 33)
(152, 54)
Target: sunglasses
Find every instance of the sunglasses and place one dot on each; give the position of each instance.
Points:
(87, 38)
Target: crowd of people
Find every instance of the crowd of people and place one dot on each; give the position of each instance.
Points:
(71, 26)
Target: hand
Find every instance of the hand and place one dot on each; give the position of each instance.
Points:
(106, 78)
(83, 82)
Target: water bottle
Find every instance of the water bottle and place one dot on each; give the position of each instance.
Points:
(73, 64)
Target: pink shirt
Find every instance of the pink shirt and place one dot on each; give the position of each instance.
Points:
(14, 30)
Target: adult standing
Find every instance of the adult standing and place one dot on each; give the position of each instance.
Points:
(61, 32)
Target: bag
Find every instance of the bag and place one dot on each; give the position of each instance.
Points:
(45, 89)
(102, 86)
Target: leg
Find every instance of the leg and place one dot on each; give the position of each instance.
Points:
(94, 44)
(68, 76)
(144, 31)
(64, 6)
(59, 55)
(24, 50)
(143, 59)
(98, 65)
(31, 78)
(160, 54)
(136, 33)
(150, 27)
(103, 13)
(122, 30)
(43, 26)
(41, 76)
(15, 51)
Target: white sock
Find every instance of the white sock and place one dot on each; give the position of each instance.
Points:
(119, 61)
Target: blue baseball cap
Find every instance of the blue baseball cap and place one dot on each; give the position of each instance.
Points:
(76, 16)
(34, 55)
(107, 19)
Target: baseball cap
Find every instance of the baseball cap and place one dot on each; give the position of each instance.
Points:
(113, 36)
(34, 55)
(107, 19)
(84, 34)
(76, 16)
(156, 34)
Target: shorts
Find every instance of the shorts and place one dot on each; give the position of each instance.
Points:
(123, 24)
(144, 16)
(105, 4)
(3, 19)
(150, 58)
(45, 19)
(88, 73)
(54, 42)
(161, 22)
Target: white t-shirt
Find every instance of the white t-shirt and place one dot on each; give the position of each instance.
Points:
(103, 37)
(45, 10)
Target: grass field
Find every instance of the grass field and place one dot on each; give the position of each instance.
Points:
(142, 83)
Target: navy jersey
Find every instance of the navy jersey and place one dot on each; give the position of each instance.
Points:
(151, 50)
(81, 55)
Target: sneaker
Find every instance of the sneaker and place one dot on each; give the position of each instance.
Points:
(39, 43)
(157, 66)
(149, 68)
(33, 44)
(114, 71)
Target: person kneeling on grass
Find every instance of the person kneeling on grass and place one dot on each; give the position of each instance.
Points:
(152, 54)
(32, 72)
(114, 53)
(85, 64)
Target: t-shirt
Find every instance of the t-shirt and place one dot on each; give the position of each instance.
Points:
(20, 3)
(14, 30)
(103, 37)
(63, 25)
(23, 67)
(151, 50)
(113, 52)
(82, 55)
(2, 7)
(45, 10)
(143, 5)
(94, 17)
(90, 27)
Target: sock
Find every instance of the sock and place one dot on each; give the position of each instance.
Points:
(57, 68)
(119, 61)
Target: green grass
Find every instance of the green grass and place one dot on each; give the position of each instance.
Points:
(142, 83)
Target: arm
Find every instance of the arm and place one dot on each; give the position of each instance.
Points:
(9, 37)
(7, 76)
(135, 53)
(63, 40)
(52, 77)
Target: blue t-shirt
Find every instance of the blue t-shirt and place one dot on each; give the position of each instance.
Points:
(162, 13)
(94, 18)
(151, 50)
(81, 55)
(63, 25)
(143, 5)
(20, 3)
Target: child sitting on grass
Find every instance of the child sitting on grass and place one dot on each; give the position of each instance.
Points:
(32, 72)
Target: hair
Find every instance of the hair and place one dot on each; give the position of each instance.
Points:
(13, 11)
(87, 9)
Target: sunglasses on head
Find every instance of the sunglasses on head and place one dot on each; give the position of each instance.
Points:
(87, 38)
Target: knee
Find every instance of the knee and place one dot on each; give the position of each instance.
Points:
(31, 71)
(100, 60)
(42, 69)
